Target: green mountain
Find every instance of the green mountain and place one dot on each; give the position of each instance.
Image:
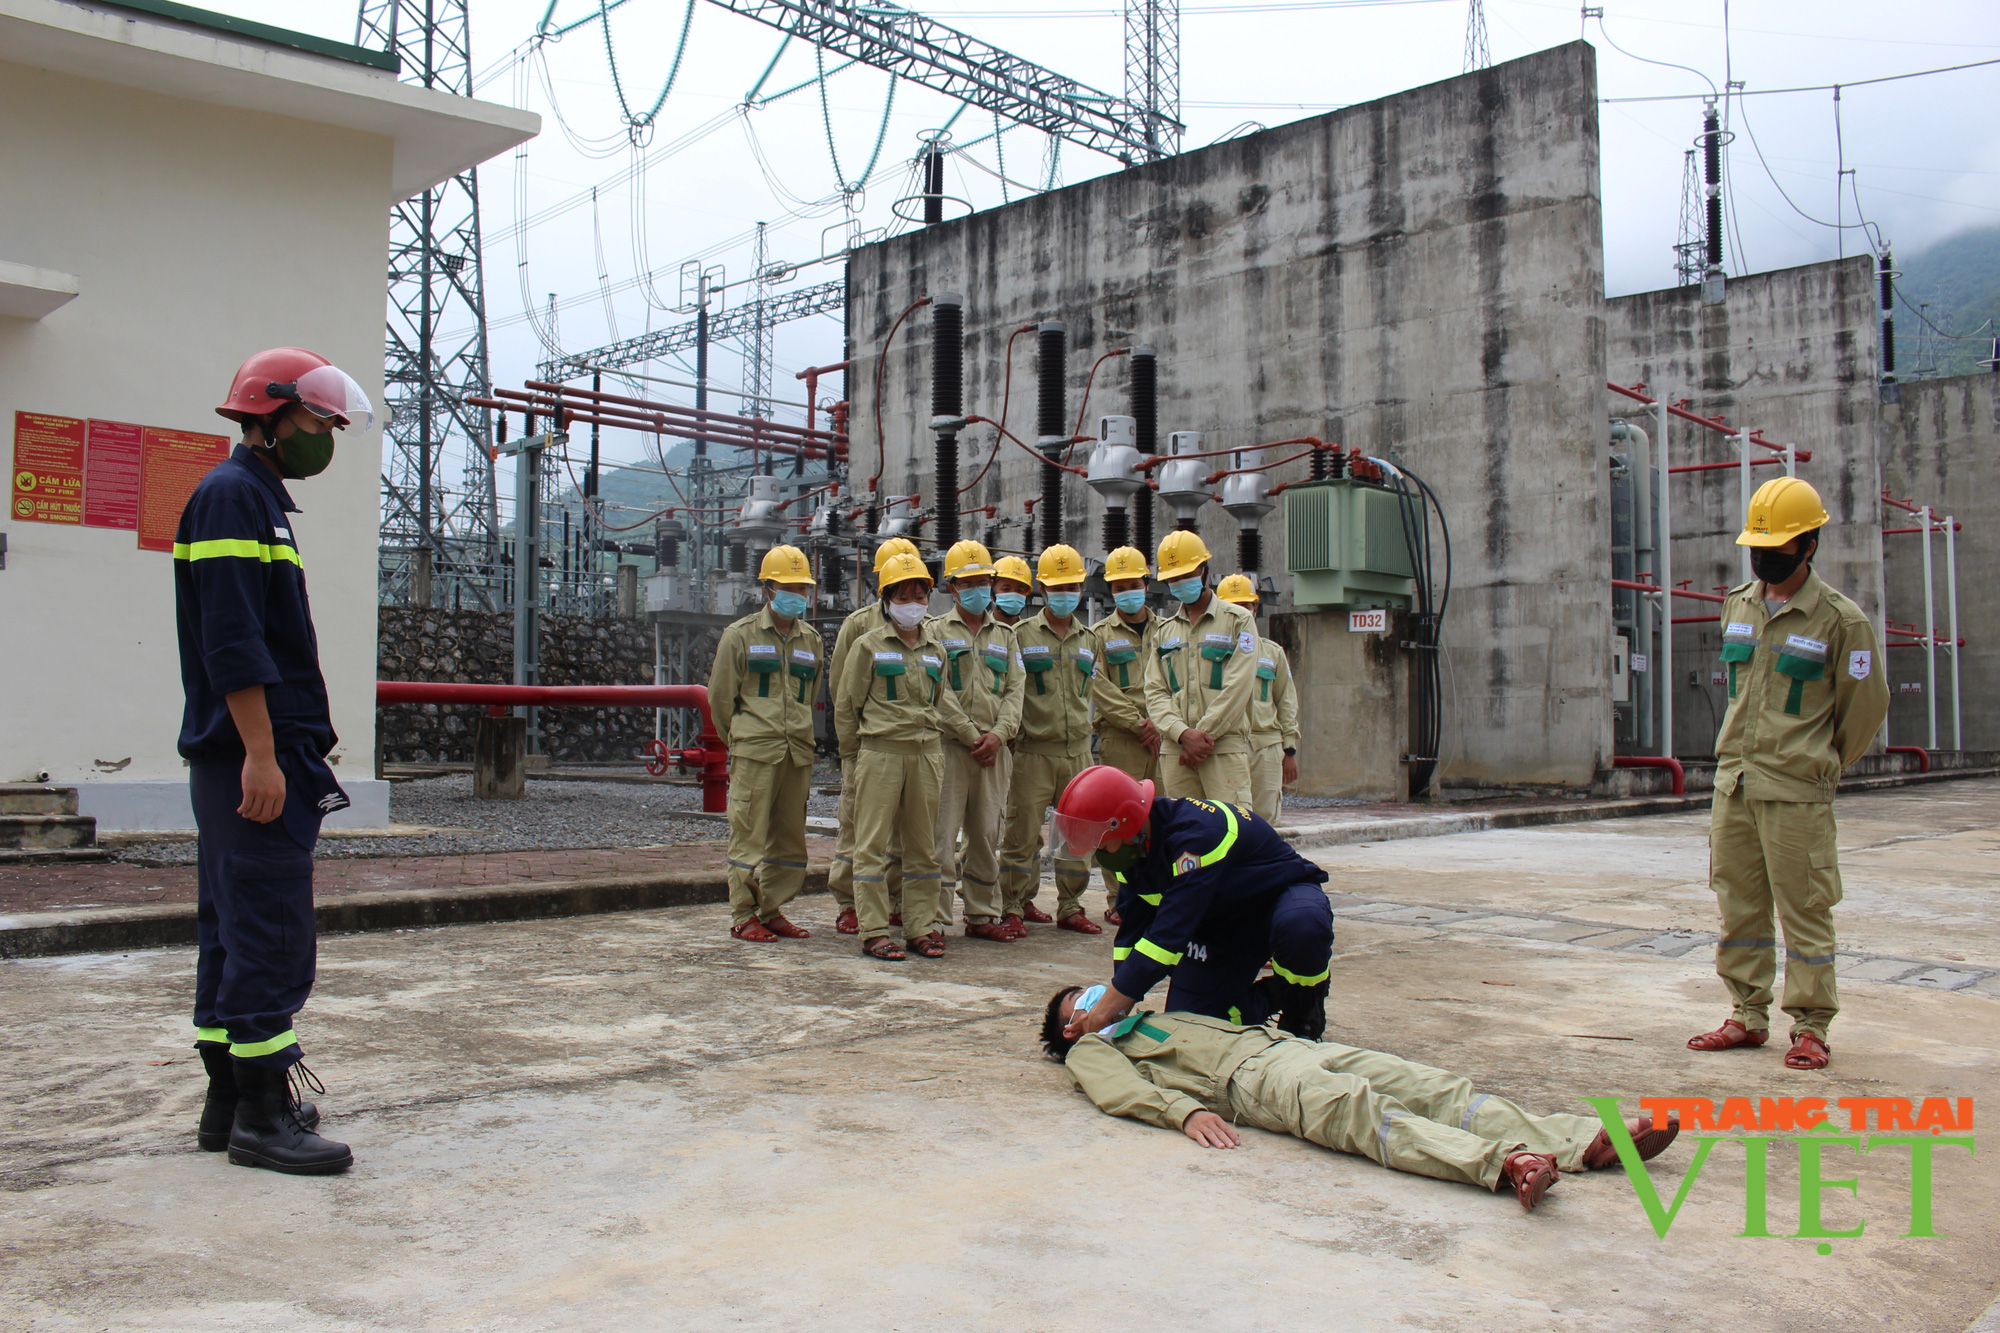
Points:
(1959, 279)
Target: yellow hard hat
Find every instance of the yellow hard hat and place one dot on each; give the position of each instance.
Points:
(1782, 508)
(785, 564)
(1237, 588)
(894, 546)
(1060, 566)
(1015, 568)
(967, 557)
(1181, 552)
(901, 567)
(1127, 562)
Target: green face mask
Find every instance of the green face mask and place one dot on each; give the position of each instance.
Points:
(1121, 860)
(302, 455)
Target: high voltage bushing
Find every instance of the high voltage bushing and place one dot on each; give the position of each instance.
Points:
(1249, 551)
(933, 186)
(1711, 156)
(1051, 420)
(1117, 529)
(947, 407)
(1145, 381)
(739, 558)
(1888, 276)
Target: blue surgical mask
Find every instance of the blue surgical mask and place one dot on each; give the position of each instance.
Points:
(790, 605)
(1186, 590)
(1131, 603)
(975, 600)
(1063, 603)
(1013, 603)
(1086, 1001)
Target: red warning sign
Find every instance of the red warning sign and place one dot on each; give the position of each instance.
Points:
(48, 468)
(111, 475)
(171, 464)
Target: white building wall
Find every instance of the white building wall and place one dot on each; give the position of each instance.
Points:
(200, 234)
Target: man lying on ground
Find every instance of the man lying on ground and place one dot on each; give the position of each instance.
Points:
(1189, 1072)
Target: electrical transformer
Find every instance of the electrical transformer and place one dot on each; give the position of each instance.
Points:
(1345, 545)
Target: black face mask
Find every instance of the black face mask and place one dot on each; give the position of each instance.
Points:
(1774, 566)
(1123, 858)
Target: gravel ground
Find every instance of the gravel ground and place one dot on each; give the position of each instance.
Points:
(554, 813)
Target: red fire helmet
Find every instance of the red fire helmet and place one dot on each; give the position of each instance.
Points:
(1100, 804)
(271, 379)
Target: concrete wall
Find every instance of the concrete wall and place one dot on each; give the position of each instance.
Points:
(201, 235)
(1939, 443)
(1794, 352)
(1420, 276)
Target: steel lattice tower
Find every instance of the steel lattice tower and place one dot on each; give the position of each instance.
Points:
(1478, 53)
(1153, 70)
(1688, 241)
(436, 347)
(757, 343)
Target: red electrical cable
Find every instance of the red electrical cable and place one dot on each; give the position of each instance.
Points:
(881, 360)
(1083, 408)
(1029, 450)
(1214, 477)
(1006, 394)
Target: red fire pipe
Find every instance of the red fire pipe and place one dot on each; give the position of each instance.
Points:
(1720, 425)
(811, 376)
(1678, 592)
(1923, 755)
(1655, 761)
(709, 755)
(571, 392)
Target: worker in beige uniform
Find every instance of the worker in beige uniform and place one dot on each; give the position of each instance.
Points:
(1200, 681)
(1127, 740)
(980, 670)
(1013, 585)
(892, 715)
(761, 693)
(1058, 656)
(1203, 1076)
(840, 875)
(1274, 712)
(1806, 697)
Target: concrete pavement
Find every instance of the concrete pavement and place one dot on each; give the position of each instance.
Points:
(630, 1121)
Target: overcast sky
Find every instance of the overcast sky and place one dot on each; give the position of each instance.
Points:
(1926, 151)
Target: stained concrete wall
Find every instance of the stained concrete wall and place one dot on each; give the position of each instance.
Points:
(1420, 276)
(1793, 351)
(1939, 443)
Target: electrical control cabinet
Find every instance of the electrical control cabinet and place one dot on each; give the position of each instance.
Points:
(1345, 545)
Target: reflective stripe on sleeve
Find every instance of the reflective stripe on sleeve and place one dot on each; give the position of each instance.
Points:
(1119, 954)
(237, 547)
(1285, 974)
(1161, 956)
(251, 1050)
(1228, 839)
(212, 1034)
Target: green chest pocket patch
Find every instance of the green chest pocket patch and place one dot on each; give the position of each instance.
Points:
(762, 661)
(1802, 659)
(994, 655)
(805, 666)
(1036, 660)
(890, 666)
(1169, 650)
(1121, 653)
(1739, 645)
(1215, 649)
(1267, 671)
(953, 650)
(1086, 662)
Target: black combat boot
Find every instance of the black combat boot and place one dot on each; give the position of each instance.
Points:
(218, 1111)
(1302, 1009)
(269, 1133)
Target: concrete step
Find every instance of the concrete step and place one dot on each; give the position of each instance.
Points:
(47, 832)
(52, 856)
(35, 798)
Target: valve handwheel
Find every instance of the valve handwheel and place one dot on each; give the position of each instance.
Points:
(658, 757)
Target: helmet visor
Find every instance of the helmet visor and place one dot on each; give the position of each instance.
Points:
(328, 392)
(1073, 838)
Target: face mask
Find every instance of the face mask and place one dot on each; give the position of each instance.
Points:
(908, 615)
(1063, 603)
(790, 605)
(1131, 603)
(302, 455)
(1087, 1001)
(1187, 590)
(1013, 603)
(1772, 565)
(975, 600)
(1122, 859)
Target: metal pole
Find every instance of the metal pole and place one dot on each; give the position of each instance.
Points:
(1791, 460)
(590, 489)
(1930, 632)
(1743, 493)
(1642, 565)
(1951, 608)
(527, 575)
(659, 677)
(1663, 546)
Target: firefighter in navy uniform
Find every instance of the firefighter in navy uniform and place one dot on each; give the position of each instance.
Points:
(1207, 894)
(256, 732)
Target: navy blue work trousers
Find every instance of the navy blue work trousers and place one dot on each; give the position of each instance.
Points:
(258, 944)
(1218, 969)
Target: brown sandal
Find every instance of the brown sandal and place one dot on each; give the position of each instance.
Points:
(990, 930)
(1809, 1051)
(927, 946)
(1647, 1141)
(885, 948)
(753, 931)
(1531, 1175)
(1729, 1036)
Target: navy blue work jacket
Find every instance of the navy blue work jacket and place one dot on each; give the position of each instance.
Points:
(240, 606)
(1203, 859)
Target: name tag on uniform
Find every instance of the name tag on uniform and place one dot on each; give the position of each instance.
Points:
(1800, 643)
(1086, 654)
(1114, 644)
(1740, 627)
(931, 661)
(888, 657)
(1035, 650)
(286, 533)
(762, 649)
(804, 655)
(1215, 638)
(1169, 645)
(1267, 662)
(955, 643)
